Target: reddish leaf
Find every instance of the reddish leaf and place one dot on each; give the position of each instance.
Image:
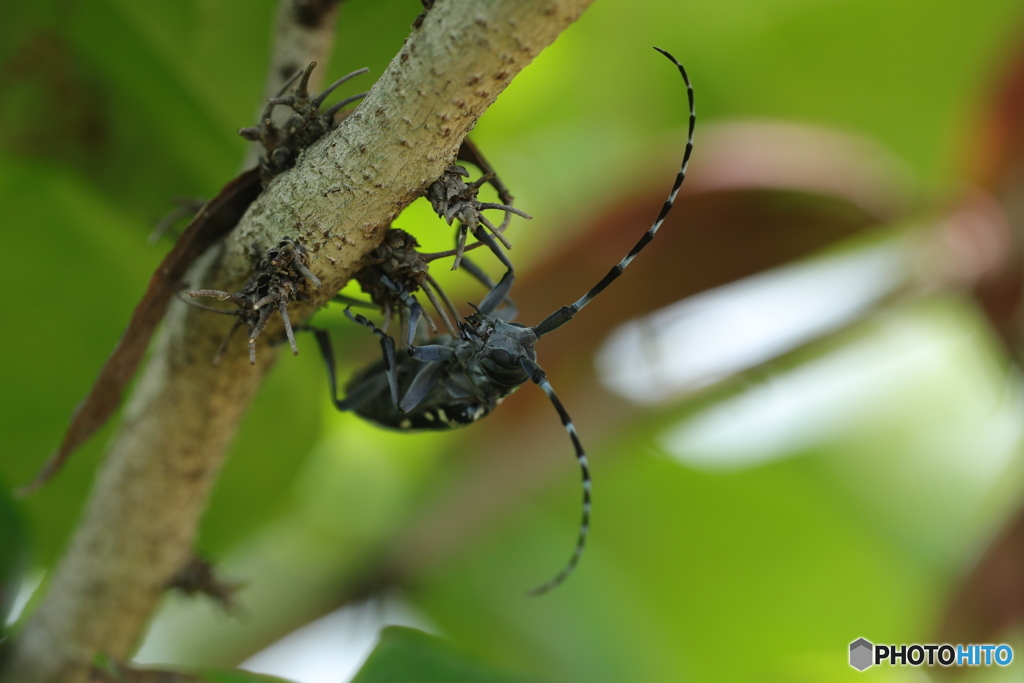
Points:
(990, 601)
(213, 221)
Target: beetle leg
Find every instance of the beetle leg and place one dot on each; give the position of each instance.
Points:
(387, 347)
(422, 383)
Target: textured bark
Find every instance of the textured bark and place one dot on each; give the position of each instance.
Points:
(139, 524)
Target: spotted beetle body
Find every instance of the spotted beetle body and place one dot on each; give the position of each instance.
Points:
(481, 368)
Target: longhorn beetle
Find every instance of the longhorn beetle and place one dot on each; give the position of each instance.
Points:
(450, 382)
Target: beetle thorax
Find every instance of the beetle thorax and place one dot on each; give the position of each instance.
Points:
(499, 346)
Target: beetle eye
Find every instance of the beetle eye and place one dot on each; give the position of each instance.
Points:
(501, 357)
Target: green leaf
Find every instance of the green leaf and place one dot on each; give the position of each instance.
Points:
(411, 656)
(128, 674)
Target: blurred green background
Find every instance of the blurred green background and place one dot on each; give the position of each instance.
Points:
(745, 528)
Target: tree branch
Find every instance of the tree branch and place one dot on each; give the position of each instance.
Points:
(139, 524)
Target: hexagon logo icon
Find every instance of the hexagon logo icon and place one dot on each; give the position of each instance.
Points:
(861, 654)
